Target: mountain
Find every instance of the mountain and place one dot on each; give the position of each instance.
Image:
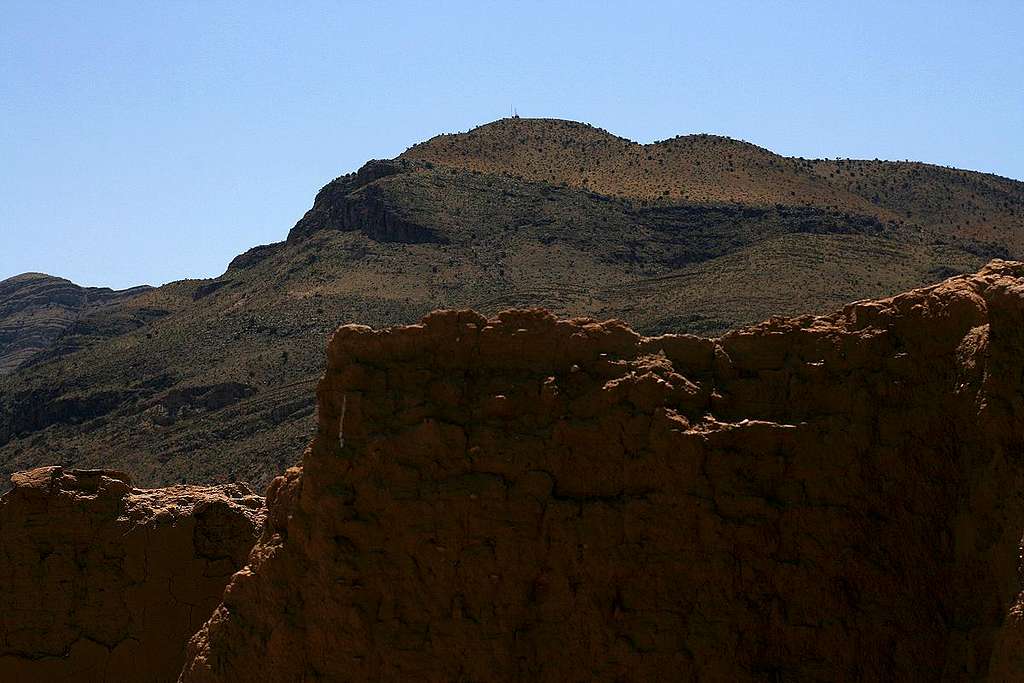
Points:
(210, 380)
(36, 309)
(709, 168)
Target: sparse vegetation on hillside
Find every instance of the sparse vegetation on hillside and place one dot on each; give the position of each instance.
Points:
(208, 380)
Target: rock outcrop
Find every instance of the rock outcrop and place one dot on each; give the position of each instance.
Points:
(353, 203)
(525, 498)
(105, 582)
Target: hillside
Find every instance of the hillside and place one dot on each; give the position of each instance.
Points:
(209, 380)
(692, 168)
(979, 206)
(710, 168)
(36, 309)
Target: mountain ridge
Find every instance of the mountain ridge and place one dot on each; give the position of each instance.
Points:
(36, 308)
(208, 380)
(437, 146)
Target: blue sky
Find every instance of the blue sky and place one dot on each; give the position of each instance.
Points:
(143, 142)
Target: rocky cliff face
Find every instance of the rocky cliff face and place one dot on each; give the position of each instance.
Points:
(525, 498)
(105, 582)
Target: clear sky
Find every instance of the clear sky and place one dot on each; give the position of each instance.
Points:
(143, 142)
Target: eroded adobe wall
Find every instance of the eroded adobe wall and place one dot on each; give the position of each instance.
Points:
(104, 582)
(522, 498)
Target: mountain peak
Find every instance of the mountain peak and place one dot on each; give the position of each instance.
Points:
(690, 168)
(31, 276)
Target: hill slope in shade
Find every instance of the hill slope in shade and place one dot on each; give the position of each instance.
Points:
(36, 309)
(210, 380)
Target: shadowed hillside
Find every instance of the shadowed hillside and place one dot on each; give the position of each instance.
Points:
(36, 309)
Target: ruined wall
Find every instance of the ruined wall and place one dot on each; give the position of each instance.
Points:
(520, 498)
(100, 581)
